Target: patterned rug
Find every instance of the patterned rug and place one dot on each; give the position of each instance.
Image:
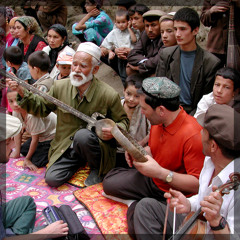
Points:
(79, 177)
(22, 182)
(109, 215)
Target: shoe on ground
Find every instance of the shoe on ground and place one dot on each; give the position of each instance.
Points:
(93, 178)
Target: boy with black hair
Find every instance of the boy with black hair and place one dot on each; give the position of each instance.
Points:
(39, 63)
(14, 60)
(187, 64)
(135, 13)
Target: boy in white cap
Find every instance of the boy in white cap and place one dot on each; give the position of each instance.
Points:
(74, 145)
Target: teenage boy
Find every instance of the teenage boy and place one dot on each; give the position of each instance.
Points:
(187, 64)
(136, 16)
(143, 58)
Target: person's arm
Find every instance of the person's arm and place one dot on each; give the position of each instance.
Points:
(81, 24)
(54, 230)
(203, 105)
(111, 54)
(33, 103)
(137, 53)
(17, 141)
(131, 32)
(180, 181)
(208, 15)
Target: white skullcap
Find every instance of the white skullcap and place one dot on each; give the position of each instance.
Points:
(9, 126)
(90, 48)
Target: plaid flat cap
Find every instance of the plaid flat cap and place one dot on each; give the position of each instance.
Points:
(160, 87)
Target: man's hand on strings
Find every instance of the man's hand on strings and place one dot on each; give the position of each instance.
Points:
(211, 206)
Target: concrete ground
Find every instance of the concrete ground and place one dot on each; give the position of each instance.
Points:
(106, 74)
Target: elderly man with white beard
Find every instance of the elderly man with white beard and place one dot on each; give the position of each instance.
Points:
(74, 145)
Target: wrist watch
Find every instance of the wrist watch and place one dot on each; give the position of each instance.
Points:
(169, 177)
(221, 225)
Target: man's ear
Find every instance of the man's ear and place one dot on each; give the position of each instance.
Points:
(95, 69)
(160, 110)
(213, 146)
(195, 31)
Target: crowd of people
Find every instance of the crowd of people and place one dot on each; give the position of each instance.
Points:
(181, 103)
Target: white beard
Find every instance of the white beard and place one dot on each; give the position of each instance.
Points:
(76, 82)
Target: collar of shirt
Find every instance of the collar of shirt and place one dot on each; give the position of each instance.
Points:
(44, 77)
(177, 123)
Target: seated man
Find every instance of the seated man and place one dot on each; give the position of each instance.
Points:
(143, 58)
(74, 145)
(175, 151)
(221, 145)
(187, 64)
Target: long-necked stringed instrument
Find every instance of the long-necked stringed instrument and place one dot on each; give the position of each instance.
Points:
(195, 223)
(233, 48)
(96, 121)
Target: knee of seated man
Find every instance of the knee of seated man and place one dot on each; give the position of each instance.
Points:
(51, 180)
(83, 136)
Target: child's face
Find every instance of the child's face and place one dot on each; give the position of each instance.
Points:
(131, 96)
(12, 100)
(137, 21)
(89, 6)
(223, 90)
(121, 22)
(167, 33)
(64, 69)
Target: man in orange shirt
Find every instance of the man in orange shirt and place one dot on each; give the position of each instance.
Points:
(175, 150)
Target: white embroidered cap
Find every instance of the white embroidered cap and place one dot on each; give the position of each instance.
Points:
(90, 48)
